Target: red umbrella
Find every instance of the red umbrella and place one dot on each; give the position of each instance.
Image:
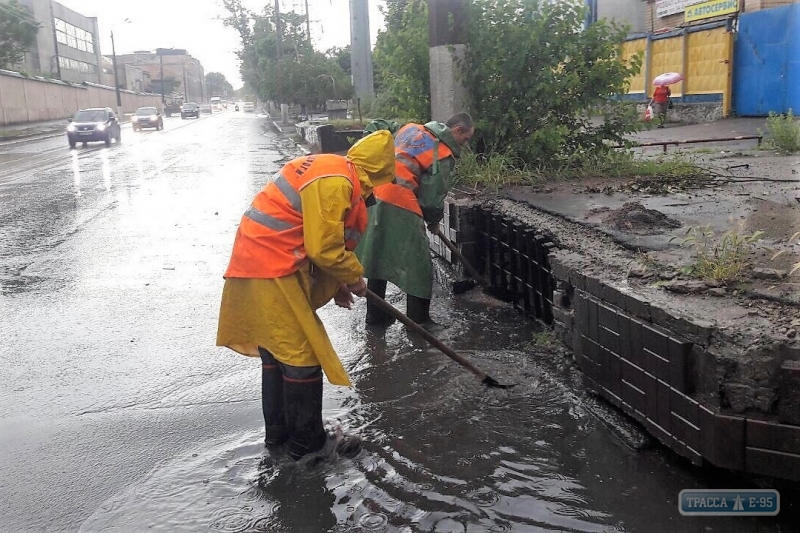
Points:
(668, 78)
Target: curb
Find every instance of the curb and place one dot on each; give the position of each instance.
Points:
(277, 129)
(17, 139)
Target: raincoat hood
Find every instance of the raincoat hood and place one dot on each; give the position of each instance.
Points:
(443, 133)
(373, 157)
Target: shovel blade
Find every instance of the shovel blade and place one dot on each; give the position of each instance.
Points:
(490, 382)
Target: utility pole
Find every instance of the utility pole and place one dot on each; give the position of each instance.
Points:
(161, 62)
(308, 23)
(360, 50)
(55, 42)
(279, 34)
(116, 76)
(185, 86)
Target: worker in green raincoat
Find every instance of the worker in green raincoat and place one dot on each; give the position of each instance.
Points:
(395, 246)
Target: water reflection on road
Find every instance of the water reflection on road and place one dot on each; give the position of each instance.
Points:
(442, 453)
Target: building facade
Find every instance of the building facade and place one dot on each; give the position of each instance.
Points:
(67, 44)
(630, 12)
(182, 73)
(667, 14)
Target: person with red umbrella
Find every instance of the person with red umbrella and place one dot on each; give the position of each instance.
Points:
(660, 100)
(660, 103)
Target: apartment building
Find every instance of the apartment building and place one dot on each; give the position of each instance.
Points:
(182, 73)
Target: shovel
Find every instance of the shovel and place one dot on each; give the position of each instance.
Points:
(467, 266)
(389, 309)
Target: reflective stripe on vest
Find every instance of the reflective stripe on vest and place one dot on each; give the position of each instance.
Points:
(416, 150)
(269, 242)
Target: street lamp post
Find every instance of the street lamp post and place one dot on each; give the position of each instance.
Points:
(116, 75)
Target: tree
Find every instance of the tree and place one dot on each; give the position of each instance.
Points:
(217, 85)
(341, 56)
(535, 74)
(402, 61)
(18, 31)
(301, 75)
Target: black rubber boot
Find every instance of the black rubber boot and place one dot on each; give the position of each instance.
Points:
(418, 310)
(375, 315)
(272, 400)
(302, 396)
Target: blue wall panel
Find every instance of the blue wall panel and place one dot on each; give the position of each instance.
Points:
(766, 65)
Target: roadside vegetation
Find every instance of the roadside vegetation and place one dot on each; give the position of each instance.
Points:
(722, 258)
(783, 133)
(793, 240)
(298, 74)
(18, 31)
(496, 169)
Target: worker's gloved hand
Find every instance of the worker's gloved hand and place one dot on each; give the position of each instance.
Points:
(343, 297)
(433, 227)
(358, 288)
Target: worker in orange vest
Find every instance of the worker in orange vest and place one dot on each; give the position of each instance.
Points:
(395, 246)
(293, 252)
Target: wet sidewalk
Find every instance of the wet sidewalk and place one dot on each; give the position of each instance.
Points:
(32, 130)
(710, 136)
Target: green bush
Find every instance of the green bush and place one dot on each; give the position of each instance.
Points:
(783, 133)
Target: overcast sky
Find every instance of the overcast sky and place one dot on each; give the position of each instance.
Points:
(196, 25)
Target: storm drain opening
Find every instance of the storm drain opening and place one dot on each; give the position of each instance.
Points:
(515, 260)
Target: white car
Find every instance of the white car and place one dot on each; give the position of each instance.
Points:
(249, 107)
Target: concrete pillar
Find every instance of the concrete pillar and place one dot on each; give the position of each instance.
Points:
(446, 25)
(361, 50)
(284, 114)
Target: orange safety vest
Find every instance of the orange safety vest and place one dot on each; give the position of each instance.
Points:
(269, 242)
(415, 151)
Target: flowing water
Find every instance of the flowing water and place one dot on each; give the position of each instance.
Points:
(442, 452)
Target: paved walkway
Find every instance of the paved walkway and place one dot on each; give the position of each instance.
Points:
(32, 129)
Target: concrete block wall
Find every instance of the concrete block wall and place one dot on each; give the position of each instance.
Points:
(682, 379)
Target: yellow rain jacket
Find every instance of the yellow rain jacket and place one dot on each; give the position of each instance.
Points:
(279, 314)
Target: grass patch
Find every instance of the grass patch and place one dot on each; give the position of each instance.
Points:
(783, 133)
(493, 171)
(348, 124)
(720, 259)
(498, 169)
(796, 266)
(623, 164)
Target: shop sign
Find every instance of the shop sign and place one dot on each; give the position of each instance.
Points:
(714, 8)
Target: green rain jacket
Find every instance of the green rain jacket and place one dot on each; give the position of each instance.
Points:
(395, 246)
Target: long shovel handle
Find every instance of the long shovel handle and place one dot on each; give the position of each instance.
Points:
(467, 266)
(416, 328)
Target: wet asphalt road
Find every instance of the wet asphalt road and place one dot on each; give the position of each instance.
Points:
(118, 413)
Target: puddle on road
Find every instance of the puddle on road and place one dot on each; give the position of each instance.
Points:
(442, 453)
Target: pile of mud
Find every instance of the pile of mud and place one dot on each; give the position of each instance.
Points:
(635, 217)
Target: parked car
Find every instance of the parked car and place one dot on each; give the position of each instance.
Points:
(190, 109)
(249, 107)
(206, 108)
(147, 117)
(92, 125)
